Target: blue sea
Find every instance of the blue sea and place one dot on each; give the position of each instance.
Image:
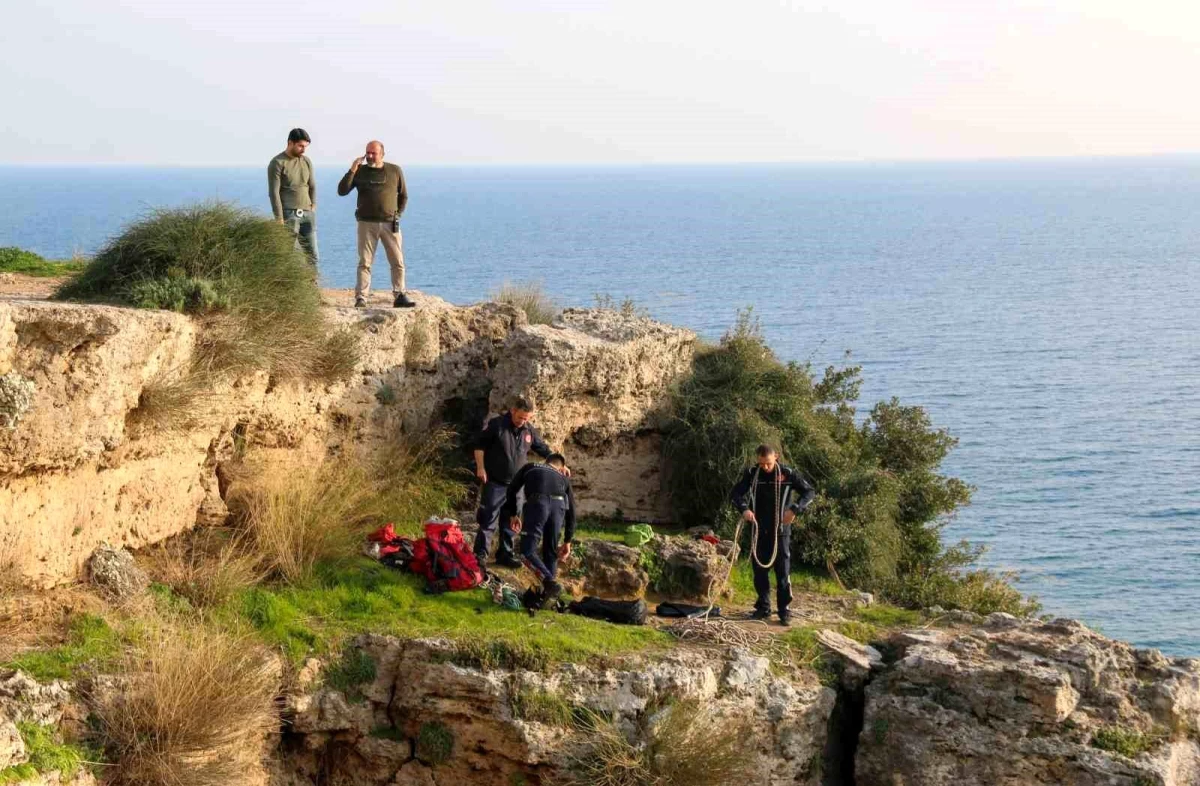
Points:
(1045, 312)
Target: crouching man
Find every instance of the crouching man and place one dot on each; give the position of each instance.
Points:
(763, 497)
(549, 511)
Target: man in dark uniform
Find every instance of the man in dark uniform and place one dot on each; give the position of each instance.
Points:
(501, 449)
(762, 496)
(549, 511)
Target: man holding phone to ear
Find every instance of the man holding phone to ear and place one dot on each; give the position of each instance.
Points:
(382, 197)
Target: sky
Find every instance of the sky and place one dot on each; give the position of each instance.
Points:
(626, 81)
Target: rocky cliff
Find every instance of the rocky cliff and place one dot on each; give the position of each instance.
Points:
(76, 469)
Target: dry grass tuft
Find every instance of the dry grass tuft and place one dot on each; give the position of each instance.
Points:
(295, 515)
(686, 745)
(530, 298)
(194, 712)
(210, 569)
(168, 403)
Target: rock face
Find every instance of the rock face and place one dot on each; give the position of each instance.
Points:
(12, 747)
(449, 724)
(612, 570)
(689, 569)
(75, 471)
(1026, 704)
(599, 380)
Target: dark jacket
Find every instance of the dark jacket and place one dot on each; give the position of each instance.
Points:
(756, 486)
(544, 480)
(506, 447)
(382, 194)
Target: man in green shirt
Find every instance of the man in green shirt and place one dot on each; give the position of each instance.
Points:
(381, 199)
(293, 192)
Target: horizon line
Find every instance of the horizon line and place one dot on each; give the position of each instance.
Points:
(647, 164)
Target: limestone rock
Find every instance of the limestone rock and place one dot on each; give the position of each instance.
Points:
(12, 747)
(116, 573)
(599, 380)
(22, 698)
(690, 568)
(414, 773)
(612, 570)
(856, 660)
(1020, 704)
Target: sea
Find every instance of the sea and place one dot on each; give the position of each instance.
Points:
(1046, 312)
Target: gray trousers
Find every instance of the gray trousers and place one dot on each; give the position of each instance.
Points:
(304, 227)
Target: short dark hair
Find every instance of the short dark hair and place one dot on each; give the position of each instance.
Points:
(764, 450)
(557, 458)
(299, 135)
(523, 403)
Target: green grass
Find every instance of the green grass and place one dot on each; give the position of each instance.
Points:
(90, 642)
(362, 596)
(27, 263)
(435, 743)
(1127, 742)
(47, 753)
(348, 674)
(538, 706)
(884, 615)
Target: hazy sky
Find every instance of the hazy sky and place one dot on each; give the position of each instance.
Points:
(469, 81)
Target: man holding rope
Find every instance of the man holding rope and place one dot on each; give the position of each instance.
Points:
(762, 497)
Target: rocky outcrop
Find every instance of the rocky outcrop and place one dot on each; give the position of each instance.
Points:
(1016, 703)
(599, 380)
(425, 719)
(76, 470)
(608, 570)
(688, 569)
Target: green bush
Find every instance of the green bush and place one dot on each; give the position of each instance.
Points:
(241, 270)
(435, 743)
(881, 502)
(1127, 742)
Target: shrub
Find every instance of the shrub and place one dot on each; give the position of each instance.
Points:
(195, 707)
(626, 308)
(687, 745)
(238, 270)
(295, 515)
(350, 672)
(881, 503)
(170, 402)
(413, 480)
(529, 297)
(539, 706)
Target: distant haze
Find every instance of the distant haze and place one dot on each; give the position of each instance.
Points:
(479, 81)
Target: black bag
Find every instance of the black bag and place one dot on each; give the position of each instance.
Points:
(685, 610)
(622, 612)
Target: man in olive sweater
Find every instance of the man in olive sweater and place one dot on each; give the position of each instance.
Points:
(381, 199)
(292, 189)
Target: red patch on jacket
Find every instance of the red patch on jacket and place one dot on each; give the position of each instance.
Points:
(528, 438)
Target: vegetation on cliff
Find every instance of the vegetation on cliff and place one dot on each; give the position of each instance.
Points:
(27, 263)
(241, 274)
(881, 502)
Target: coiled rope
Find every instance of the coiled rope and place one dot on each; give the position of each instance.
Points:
(774, 521)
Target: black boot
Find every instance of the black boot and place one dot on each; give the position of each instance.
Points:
(402, 301)
(761, 614)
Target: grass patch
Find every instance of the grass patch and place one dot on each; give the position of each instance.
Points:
(240, 273)
(208, 571)
(417, 339)
(686, 743)
(47, 753)
(27, 263)
(1127, 742)
(196, 705)
(628, 307)
(884, 615)
(362, 596)
(862, 632)
(435, 743)
(538, 706)
(350, 672)
(91, 643)
(529, 297)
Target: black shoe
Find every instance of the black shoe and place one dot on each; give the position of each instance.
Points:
(360, 302)
(760, 614)
(785, 620)
(509, 562)
(402, 301)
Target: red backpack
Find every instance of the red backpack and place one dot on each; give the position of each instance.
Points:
(444, 558)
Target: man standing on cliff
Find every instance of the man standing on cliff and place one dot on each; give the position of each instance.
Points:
(292, 189)
(763, 497)
(501, 450)
(382, 197)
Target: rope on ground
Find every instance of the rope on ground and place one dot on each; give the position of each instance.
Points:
(717, 631)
